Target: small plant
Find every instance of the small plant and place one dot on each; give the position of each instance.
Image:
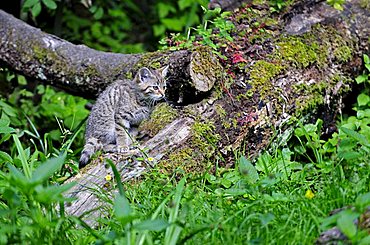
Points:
(129, 227)
(215, 27)
(351, 220)
(29, 201)
(355, 132)
(35, 6)
(278, 5)
(364, 78)
(337, 4)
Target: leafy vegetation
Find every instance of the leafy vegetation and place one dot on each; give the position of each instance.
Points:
(284, 196)
(117, 26)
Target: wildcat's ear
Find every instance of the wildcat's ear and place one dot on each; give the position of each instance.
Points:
(163, 71)
(144, 73)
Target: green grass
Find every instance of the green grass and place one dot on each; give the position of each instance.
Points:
(273, 210)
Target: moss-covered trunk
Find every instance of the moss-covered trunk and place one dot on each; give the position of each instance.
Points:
(86, 72)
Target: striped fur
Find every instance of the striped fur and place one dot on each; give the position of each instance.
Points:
(119, 109)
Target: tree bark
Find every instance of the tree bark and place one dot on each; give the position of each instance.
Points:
(86, 72)
(299, 67)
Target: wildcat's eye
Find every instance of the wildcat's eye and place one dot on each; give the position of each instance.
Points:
(155, 87)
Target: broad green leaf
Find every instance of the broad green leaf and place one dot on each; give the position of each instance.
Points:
(337, 6)
(345, 223)
(183, 4)
(361, 78)
(247, 170)
(17, 175)
(30, 3)
(300, 149)
(329, 221)
(4, 122)
(353, 134)
(21, 80)
(99, 13)
(349, 155)
(310, 128)
(36, 9)
(226, 183)
(164, 9)
(266, 218)
(152, 225)
(5, 138)
(122, 207)
(50, 4)
(51, 194)
(362, 201)
(6, 130)
(10, 111)
(367, 66)
(299, 132)
(174, 24)
(158, 30)
(47, 169)
(276, 197)
(93, 8)
(365, 241)
(363, 99)
(366, 59)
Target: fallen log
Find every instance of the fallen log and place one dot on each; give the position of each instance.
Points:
(83, 71)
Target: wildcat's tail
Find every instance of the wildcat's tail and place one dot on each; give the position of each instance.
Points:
(92, 145)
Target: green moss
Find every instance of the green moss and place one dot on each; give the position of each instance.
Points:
(155, 65)
(259, 2)
(261, 74)
(365, 4)
(314, 48)
(194, 156)
(310, 96)
(91, 71)
(220, 111)
(343, 53)
(294, 51)
(161, 115)
(154, 60)
(205, 64)
(39, 53)
(182, 158)
(205, 137)
(322, 56)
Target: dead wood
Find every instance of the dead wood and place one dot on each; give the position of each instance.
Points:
(83, 71)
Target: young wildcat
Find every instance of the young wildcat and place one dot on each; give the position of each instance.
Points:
(119, 109)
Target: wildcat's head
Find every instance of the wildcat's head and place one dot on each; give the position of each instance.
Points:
(152, 83)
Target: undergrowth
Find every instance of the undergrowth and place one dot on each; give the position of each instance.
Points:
(283, 197)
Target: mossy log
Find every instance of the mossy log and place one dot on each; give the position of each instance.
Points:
(301, 66)
(83, 71)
